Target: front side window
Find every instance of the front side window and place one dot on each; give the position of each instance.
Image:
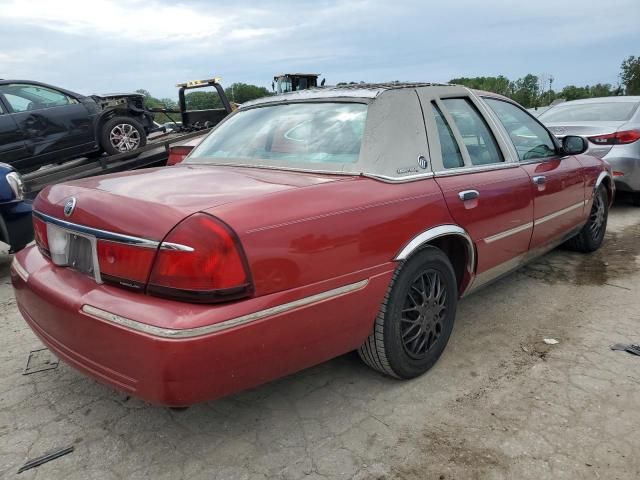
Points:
(296, 135)
(24, 97)
(529, 138)
(451, 156)
(478, 139)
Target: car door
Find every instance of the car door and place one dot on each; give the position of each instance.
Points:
(12, 144)
(487, 193)
(54, 122)
(557, 180)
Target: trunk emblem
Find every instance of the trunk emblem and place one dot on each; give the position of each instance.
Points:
(69, 206)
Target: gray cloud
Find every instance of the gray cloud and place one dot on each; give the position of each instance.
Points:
(109, 45)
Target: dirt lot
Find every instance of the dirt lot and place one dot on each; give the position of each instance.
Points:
(499, 404)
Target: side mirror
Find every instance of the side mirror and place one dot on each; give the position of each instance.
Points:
(574, 145)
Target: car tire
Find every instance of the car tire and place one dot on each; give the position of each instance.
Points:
(416, 317)
(122, 134)
(590, 238)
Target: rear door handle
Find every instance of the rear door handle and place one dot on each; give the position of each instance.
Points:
(468, 195)
(539, 180)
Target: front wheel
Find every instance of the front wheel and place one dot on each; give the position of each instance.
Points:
(590, 238)
(416, 317)
(122, 134)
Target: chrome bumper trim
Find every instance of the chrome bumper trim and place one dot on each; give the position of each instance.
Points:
(110, 236)
(22, 273)
(508, 233)
(560, 212)
(233, 322)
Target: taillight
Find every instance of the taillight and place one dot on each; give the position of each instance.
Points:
(617, 138)
(125, 264)
(200, 260)
(40, 234)
(178, 153)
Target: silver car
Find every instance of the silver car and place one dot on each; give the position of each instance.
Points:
(612, 127)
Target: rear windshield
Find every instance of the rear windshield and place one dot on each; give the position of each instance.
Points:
(590, 112)
(299, 135)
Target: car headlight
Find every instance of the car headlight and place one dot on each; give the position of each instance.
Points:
(14, 179)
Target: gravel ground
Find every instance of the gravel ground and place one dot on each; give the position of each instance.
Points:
(499, 404)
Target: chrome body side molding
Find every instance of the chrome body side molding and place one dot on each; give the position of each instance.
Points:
(556, 214)
(217, 327)
(508, 233)
(436, 232)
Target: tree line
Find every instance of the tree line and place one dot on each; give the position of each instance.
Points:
(529, 91)
(537, 90)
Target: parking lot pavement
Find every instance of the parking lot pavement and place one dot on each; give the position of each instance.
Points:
(501, 403)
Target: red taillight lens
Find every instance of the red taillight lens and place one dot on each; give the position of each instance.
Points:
(178, 153)
(201, 260)
(128, 265)
(617, 138)
(40, 233)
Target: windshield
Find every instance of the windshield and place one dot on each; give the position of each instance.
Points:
(296, 135)
(590, 112)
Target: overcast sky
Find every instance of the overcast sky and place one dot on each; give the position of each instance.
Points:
(101, 46)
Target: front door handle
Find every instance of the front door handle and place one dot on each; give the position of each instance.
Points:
(468, 195)
(539, 180)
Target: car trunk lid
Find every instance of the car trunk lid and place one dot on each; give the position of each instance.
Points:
(97, 219)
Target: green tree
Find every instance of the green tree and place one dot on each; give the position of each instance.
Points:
(630, 75)
(152, 102)
(202, 100)
(500, 84)
(601, 90)
(526, 91)
(243, 92)
(571, 92)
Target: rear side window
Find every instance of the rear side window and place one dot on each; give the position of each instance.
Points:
(530, 138)
(451, 156)
(478, 139)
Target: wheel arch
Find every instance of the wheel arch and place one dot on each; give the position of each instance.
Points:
(605, 179)
(455, 242)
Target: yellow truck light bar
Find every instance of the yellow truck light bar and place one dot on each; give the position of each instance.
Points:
(195, 83)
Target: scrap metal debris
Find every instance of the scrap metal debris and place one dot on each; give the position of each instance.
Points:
(631, 348)
(40, 360)
(47, 457)
(550, 341)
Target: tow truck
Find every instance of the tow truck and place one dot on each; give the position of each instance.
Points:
(192, 124)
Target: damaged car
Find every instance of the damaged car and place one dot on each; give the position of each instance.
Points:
(42, 124)
(305, 226)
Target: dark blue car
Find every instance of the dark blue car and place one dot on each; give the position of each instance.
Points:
(16, 228)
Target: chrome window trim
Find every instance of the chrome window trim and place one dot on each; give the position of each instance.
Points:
(405, 179)
(110, 236)
(475, 169)
(508, 233)
(225, 325)
(436, 232)
(558, 213)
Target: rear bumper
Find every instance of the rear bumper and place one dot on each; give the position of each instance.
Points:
(149, 360)
(626, 171)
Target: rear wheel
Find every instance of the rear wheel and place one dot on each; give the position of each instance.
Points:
(416, 317)
(591, 236)
(122, 134)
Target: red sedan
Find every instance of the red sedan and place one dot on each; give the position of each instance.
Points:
(304, 226)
